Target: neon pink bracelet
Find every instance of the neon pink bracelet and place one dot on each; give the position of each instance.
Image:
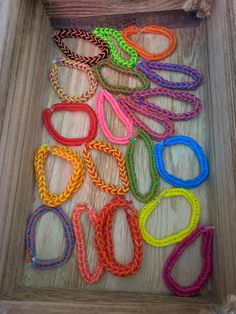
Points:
(196, 287)
(105, 95)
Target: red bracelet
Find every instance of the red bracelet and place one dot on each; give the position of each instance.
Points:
(47, 114)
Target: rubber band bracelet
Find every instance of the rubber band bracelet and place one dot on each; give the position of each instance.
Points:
(104, 241)
(47, 115)
(129, 107)
(195, 102)
(79, 33)
(206, 250)
(81, 254)
(176, 237)
(102, 96)
(120, 89)
(48, 198)
(107, 149)
(106, 34)
(154, 29)
(130, 166)
(30, 233)
(178, 182)
(53, 75)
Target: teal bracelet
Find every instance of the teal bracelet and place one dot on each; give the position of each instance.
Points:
(104, 34)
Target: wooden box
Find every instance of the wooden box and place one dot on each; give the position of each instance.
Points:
(26, 53)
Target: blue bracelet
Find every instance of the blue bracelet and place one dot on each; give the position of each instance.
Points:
(44, 264)
(177, 182)
(146, 65)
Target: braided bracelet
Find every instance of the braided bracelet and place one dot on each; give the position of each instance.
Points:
(146, 65)
(81, 254)
(106, 34)
(129, 107)
(47, 115)
(48, 198)
(197, 149)
(129, 158)
(102, 96)
(104, 241)
(30, 233)
(107, 149)
(79, 33)
(53, 75)
(206, 270)
(140, 98)
(154, 29)
(120, 89)
(176, 237)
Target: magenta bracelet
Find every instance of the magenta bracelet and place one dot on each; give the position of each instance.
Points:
(206, 251)
(141, 99)
(128, 106)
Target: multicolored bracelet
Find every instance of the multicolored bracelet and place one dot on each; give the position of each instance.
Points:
(141, 99)
(47, 115)
(81, 253)
(105, 34)
(48, 198)
(102, 96)
(79, 33)
(154, 29)
(196, 287)
(120, 89)
(129, 107)
(197, 149)
(53, 75)
(130, 165)
(107, 149)
(30, 233)
(176, 237)
(104, 241)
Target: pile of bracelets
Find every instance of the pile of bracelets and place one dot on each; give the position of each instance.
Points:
(131, 106)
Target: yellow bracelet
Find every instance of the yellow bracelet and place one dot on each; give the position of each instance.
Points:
(176, 237)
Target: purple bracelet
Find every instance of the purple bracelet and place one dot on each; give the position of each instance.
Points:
(140, 98)
(146, 65)
(206, 251)
(128, 106)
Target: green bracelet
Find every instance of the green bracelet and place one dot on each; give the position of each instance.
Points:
(104, 34)
(130, 167)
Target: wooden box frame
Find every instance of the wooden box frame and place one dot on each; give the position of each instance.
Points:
(23, 50)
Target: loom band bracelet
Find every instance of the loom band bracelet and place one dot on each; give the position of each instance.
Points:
(130, 166)
(107, 34)
(129, 107)
(105, 95)
(176, 237)
(154, 29)
(89, 277)
(30, 234)
(104, 239)
(58, 37)
(77, 178)
(53, 75)
(195, 102)
(196, 148)
(110, 150)
(120, 89)
(47, 115)
(206, 268)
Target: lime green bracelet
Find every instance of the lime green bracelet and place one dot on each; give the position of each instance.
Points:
(104, 34)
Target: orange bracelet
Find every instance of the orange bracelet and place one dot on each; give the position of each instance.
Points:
(131, 30)
(107, 149)
(52, 199)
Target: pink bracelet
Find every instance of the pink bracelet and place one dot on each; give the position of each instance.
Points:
(206, 251)
(81, 254)
(105, 95)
